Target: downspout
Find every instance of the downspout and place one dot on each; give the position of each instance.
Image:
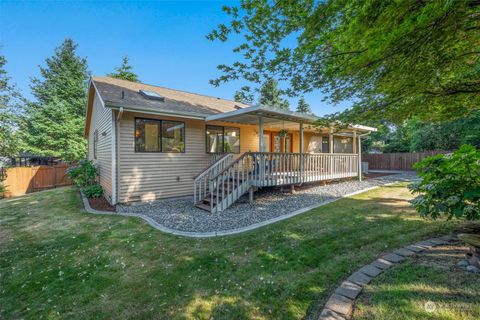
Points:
(360, 154)
(120, 114)
(115, 155)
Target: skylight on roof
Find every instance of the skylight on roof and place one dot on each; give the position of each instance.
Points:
(151, 95)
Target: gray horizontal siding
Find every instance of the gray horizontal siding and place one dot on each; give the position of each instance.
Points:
(102, 121)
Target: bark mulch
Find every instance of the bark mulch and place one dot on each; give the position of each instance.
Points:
(100, 204)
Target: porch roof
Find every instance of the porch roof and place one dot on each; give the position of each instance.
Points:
(251, 114)
(271, 116)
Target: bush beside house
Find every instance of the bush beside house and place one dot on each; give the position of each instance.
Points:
(85, 176)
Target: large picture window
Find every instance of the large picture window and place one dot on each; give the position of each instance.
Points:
(223, 139)
(159, 136)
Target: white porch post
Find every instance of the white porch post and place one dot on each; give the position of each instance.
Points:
(301, 152)
(360, 158)
(330, 141)
(332, 161)
(354, 142)
(260, 134)
(260, 147)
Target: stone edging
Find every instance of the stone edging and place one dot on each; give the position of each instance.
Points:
(340, 304)
(257, 225)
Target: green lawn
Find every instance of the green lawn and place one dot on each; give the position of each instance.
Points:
(428, 286)
(57, 261)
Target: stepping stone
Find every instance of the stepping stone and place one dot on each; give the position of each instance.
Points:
(425, 244)
(403, 252)
(450, 238)
(328, 314)
(348, 289)
(415, 248)
(359, 278)
(437, 241)
(371, 270)
(340, 304)
(382, 263)
(392, 257)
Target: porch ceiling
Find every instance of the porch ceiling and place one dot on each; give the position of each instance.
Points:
(250, 115)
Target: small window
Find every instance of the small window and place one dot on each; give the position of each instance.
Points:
(223, 139)
(147, 135)
(325, 144)
(173, 133)
(95, 144)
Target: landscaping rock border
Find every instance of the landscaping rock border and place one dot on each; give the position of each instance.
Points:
(228, 232)
(340, 304)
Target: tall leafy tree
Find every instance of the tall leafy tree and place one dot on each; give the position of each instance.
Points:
(303, 106)
(271, 95)
(10, 112)
(395, 59)
(125, 71)
(54, 123)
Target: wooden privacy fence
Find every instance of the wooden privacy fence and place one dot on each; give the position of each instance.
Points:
(22, 180)
(396, 161)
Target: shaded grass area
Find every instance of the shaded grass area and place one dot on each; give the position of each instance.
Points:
(57, 261)
(428, 286)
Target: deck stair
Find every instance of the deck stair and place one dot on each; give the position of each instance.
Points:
(226, 180)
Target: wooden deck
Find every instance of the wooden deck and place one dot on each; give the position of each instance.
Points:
(226, 180)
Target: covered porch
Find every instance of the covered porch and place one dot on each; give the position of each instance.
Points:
(289, 149)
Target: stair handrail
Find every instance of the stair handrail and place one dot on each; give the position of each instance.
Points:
(245, 154)
(214, 163)
(201, 181)
(231, 183)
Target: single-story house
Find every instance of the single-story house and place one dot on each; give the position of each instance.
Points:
(151, 142)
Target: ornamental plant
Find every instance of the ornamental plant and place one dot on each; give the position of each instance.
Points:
(449, 185)
(83, 175)
(93, 191)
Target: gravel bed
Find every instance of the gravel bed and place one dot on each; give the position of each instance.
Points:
(182, 215)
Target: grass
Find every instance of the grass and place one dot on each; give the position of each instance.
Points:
(57, 261)
(428, 286)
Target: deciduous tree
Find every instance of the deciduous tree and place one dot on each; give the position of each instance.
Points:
(395, 59)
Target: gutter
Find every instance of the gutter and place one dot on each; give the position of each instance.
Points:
(160, 113)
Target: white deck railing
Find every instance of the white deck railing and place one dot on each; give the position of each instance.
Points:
(202, 180)
(262, 169)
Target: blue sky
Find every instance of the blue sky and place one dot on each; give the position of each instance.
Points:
(165, 41)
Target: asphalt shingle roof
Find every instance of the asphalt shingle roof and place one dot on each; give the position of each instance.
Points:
(181, 102)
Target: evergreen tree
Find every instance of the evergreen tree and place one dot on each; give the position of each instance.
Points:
(243, 95)
(124, 71)
(271, 95)
(303, 106)
(54, 123)
(10, 105)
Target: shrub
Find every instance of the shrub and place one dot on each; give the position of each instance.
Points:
(83, 175)
(449, 185)
(93, 191)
